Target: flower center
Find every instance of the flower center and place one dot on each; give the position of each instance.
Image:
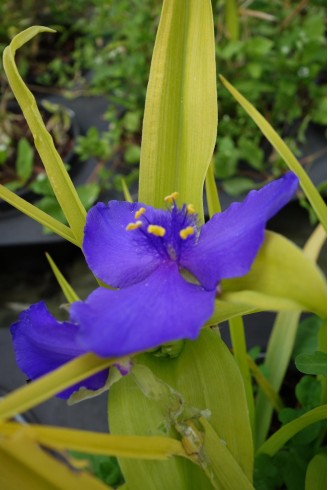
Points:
(168, 232)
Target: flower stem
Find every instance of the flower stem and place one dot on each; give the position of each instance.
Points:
(286, 432)
(237, 334)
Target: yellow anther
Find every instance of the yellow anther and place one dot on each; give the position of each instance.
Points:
(133, 226)
(156, 230)
(191, 209)
(171, 197)
(185, 232)
(139, 213)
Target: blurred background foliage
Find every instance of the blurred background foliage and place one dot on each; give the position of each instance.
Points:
(275, 54)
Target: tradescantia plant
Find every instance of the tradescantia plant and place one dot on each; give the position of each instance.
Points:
(181, 405)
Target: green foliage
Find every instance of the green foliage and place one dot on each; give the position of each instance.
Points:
(288, 467)
(107, 48)
(307, 336)
(88, 194)
(24, 160)
(254, 64)
(313, 363)
(105, 468)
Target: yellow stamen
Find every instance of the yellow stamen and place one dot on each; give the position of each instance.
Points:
(191, 209)
(139, 213)
(134, 226)
(171, 197)
(185, 232)
(156, 230)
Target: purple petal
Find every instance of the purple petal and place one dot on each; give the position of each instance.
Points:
(115, 255)
(229, 242)
(161, 309)
(43, 344)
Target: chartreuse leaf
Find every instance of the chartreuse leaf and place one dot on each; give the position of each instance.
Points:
(180, 120)
(267, 389)
(66, 288)
(125, 446)
(287, 431)
(232, 19)
(280, 146)
(281, 345)
(282, 277)
(126, 192)
(38, 391)
(223, 310)
(208, 380)
(60, 181)
(212, 197)
(38, 215)
(225, 470)
(25, 465)
(24, 160)
(238, 340)
(316, 473)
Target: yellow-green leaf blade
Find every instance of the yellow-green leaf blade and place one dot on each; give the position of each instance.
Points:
(180, 122)
(280, 146)
(37, 214)
(287, 431)
(125, 446)
(282, 277)
(45, 387)
(66, 288)
(316, 473)
(25, 465)
(60, 181)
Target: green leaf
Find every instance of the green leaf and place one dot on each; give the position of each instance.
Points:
(212, 196)
(180, 121)
(24, 160)
(132, 154)
(307, 336)
(58, 176)
(312, 363)
(226, 158)
(37, 214)
(308, 391)
(279, 280)
(22, 459)
(88, 193)
(279, 145)
(258, 46)
(66, 288)
(238, 185)
(43, 388)
(232, 19)
(316, 473)
(103, 467)
(204, 369)
(281, 344)
(126, 446)
(286, 432)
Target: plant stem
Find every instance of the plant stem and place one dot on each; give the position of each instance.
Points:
(237, 334)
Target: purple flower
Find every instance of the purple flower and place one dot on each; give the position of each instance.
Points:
(167, 268)
(43, 344)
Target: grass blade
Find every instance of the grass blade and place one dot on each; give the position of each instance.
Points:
(280, 146)
(60, 181)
